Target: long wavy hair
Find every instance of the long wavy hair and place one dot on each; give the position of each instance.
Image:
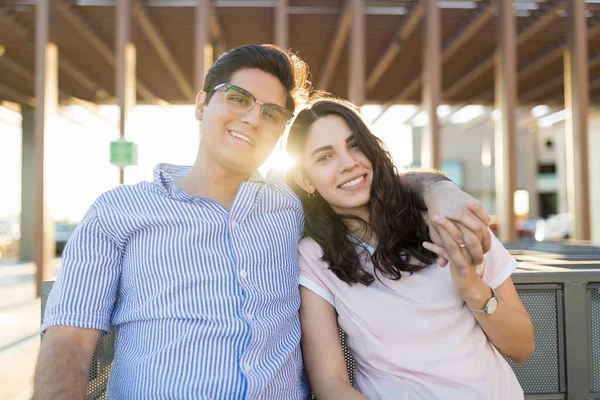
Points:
(395, 211)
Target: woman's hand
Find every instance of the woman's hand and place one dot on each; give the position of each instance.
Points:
(466, 280)
(468, 219)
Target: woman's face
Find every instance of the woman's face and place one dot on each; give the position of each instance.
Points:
(336, 167)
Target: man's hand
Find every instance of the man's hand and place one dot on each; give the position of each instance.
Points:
(463, 218)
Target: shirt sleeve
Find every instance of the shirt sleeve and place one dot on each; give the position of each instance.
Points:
(312, 269)
(498, 264)
(86, 288)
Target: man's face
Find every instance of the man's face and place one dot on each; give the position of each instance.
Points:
(240, 141)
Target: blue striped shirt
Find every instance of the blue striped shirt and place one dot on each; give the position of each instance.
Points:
(206, 300)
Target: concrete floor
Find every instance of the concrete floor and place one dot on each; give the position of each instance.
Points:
(19, 329)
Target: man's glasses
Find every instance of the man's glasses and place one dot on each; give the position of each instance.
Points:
(241, 101)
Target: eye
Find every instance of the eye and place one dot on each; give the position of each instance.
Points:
(239, 99)
(324, 157)
(269, 115)
(354, 145)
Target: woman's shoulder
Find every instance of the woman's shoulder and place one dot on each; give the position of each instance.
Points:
(309, 246)
(311, 253)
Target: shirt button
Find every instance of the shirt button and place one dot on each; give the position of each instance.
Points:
(247, 367)
(249, 315)
(243, 273)
(234, 224)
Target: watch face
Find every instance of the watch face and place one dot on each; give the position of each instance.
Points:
(491, 306)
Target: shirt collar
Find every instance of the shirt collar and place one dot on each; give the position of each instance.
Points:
(165, 176)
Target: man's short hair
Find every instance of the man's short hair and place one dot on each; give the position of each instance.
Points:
(291, 71)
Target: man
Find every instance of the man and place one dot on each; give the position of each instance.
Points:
(198, 269)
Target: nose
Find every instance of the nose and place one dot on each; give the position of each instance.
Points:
(347, 161)
(252, 116)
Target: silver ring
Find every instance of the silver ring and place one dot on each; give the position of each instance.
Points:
(462, 245)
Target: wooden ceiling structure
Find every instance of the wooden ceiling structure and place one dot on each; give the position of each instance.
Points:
(319, 30)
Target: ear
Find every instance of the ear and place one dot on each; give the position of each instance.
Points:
(302, 180)
(200, 101)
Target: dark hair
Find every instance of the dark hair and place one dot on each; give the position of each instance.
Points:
(395, 212)
(291, 71)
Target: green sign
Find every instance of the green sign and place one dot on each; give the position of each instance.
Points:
(123, 153)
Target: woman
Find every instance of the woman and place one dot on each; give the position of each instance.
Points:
(416, 330)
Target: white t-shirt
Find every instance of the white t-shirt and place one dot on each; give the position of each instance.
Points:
(410, 338)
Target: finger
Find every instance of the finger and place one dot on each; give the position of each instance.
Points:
(470, 220)
(486, 240)
(477, 208)
(450, 227)
(439, 250)
(472, 244)
(455, 254)
(435, 238)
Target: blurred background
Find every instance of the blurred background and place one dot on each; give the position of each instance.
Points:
(502, 96)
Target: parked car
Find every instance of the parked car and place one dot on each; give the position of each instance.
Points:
(62, 233)
(554, 228)
(526, 228)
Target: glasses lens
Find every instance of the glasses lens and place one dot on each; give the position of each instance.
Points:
(238, 99)
(275, 115)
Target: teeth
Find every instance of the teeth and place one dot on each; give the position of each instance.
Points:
(353, 182)
(240, 136)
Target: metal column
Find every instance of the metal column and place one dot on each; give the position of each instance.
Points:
(46, 93)
(432, 82)
(576, 104)
(505, 132)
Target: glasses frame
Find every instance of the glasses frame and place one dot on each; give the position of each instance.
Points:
(229, 86)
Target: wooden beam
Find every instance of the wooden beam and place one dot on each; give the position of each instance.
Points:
(453, 46)
(64, 64)
(405, 29)
(539, 90)
(99, 45)
(432, 86)
(554, 83)
(46, 94)
(281, 21)
(484, 16)
(356, 56)
(216, 32)
(162, 50)
(488, 63)
(16, 68)
(553, 55)
(335, 50)
(203, 52)
(506, 126)
(82, 78)
(16, 96)
(126, 68)
(577, 99)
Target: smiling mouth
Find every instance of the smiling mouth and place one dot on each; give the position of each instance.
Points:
(353, 182)
(242, 137)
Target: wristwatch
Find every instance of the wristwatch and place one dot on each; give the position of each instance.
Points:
(490, 306)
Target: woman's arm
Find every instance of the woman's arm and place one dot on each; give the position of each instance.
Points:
(509, 328)
(323, 356)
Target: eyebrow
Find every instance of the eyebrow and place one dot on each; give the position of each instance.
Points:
(254, 97)
(330, 147)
